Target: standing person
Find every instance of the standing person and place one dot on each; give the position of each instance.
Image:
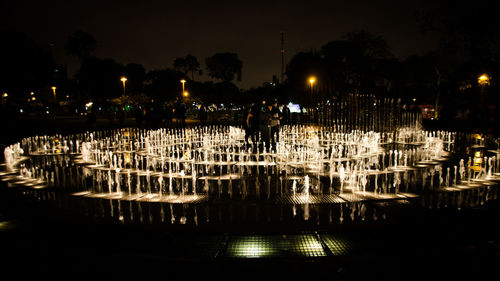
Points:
(285, 114)
(139, 116)
(169, 114)
(264, 125)
(247, 123)
(178, 112)
(254, 124)
(121, 116)
(183, 114)
(274, 123)
(202, 115)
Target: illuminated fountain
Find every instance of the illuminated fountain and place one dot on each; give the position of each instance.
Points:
(190, 173)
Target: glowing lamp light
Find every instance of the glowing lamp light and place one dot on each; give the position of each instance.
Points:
(483, 80)
(5, 95)
(123, 79)
(186, 93)
(312, 80)
(183, 91)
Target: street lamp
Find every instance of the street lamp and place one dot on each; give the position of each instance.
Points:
(312, 80)
(186, 93)
(123, 79)
(183, 81)
(483, 80)
(53, 90)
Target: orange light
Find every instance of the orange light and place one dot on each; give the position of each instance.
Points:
(483, 80)
(123, 79)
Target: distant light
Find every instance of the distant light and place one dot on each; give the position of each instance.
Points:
(32, 93)
(183, 81)
(186, 93)
(123, 79)
(5, 95)
(47, 112)
(414, 99)
(483, 80)
(53, 88)
(89, 104)
(312, 80)
(21, 110)
(33, 98)
(67, 96)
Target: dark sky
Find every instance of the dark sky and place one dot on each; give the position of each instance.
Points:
(154, 33)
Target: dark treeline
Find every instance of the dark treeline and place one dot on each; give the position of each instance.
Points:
(29, 68)
(359, 62)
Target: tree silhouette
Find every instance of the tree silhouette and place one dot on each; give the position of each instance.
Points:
(25, 66)
(136, 75)
(224, 66)
(360, 63)
(100, 78)
(187, 64)
(163, 84)
(371, 45)
(80, 44)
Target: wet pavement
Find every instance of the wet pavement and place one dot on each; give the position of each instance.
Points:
(417, 243)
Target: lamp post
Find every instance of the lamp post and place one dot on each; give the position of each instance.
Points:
(123, 79)
(483, 81)
(54, 90)
(312, 80)
(183, 81)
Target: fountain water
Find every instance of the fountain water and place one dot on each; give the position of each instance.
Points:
(357, 165)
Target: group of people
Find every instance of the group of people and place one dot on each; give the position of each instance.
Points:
(262, 123)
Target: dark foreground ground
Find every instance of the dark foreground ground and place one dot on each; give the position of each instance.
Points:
(38, 239)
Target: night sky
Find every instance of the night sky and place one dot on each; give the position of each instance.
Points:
(154, 33)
